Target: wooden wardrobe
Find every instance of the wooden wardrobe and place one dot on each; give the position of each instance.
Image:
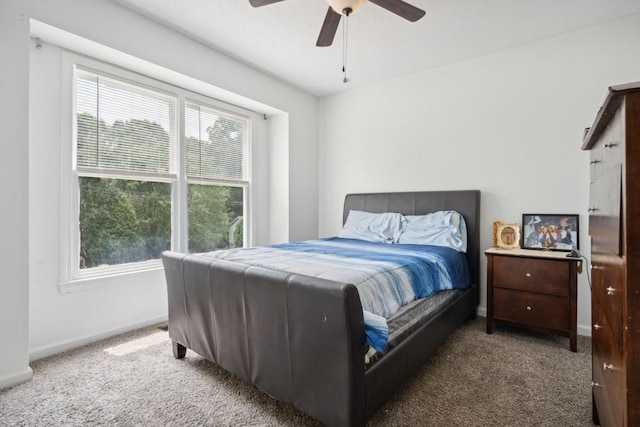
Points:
(614, 227)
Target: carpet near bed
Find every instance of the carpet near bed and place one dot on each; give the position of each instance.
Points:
(510, 378)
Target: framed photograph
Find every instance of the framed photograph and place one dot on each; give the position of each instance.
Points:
(506, 236)
(556, 232)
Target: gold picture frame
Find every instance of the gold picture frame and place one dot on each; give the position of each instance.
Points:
(506, 236)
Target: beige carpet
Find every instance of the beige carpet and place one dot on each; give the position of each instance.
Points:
(509, 378)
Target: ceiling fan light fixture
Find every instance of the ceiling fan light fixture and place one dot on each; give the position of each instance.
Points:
(339, 6)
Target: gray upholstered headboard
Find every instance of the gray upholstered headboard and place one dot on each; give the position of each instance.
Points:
(466, 202)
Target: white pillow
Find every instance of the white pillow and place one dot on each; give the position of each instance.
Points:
(442, 228)
(373, 227)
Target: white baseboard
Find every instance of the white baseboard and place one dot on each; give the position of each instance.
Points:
(17, 378)
(59, 347)
(584, 330)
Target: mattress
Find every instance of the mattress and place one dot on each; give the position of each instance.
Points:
(411, 317)
(388, 277)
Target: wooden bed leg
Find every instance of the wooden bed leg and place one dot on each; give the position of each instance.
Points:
(179, 351)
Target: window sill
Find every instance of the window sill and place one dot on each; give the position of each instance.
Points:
(105, 278)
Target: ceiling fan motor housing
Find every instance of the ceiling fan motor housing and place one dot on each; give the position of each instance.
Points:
(340, 6)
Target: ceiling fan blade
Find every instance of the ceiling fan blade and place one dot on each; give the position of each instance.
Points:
(258, 3)
(329, 28)
(401, 8)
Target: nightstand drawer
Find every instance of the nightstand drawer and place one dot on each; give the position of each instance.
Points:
(527, 308)
(533, 275)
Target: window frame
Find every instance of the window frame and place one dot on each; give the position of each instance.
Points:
(206, 102)
(71, 276)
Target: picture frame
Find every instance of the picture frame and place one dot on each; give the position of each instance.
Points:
(506, 236)
(555, 232)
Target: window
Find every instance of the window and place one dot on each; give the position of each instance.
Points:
(125, 145)
(144, 183)
(216, 168)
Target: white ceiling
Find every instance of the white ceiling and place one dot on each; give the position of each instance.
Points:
(280, 38)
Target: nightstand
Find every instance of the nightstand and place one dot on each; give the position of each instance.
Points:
(533, 289)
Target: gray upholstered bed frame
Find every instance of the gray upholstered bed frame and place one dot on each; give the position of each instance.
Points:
(300, 338)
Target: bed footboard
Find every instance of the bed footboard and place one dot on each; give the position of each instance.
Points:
(298, 338)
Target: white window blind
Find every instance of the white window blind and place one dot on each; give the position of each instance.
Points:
(134, 194)
(123, 127)
(216, 144)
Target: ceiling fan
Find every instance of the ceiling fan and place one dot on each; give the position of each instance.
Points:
(338, 8)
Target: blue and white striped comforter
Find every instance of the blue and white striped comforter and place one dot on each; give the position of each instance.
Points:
(386, 276)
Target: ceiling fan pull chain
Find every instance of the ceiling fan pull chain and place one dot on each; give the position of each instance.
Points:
(345, 37)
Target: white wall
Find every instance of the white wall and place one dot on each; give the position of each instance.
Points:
(14, 109)
(55, 321)
(509, 123)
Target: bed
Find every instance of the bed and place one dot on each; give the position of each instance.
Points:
(302, 338)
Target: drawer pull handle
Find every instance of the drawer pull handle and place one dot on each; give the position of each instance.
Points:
(596, 267)
(593, 162)
(596, 326)
(529, 308)
(528, 274)
(592, 210)
(606, 366)
(610, 145)
(594, 384)
(611, 290)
